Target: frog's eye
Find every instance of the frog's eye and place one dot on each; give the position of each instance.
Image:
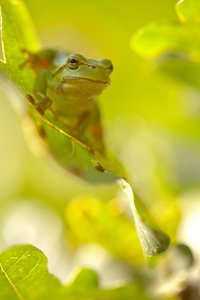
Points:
(73, 62)
(110, 69)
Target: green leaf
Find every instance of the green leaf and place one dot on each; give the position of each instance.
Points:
(153, 240)
(183, 256)
(73, 155)
(17, 35)
(85, 286)
(175, 47)
(172, 270)
(24, 275)
(188, 11)
(185, 71)
(167, 39)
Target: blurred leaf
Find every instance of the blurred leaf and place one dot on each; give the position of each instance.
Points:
(107, 226)
(84, 284)
(172, 272)
(188, 10)
(17, 33)
(79, 290)
(102, 224)
(183, 251)
(185, 71)
(175, 47)
(167, 39)
(24, 275)
(179, 253)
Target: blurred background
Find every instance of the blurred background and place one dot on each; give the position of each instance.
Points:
(151, 124)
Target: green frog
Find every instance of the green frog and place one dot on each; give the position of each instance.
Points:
(65, 88)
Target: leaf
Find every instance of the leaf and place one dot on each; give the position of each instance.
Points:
(17, 36)
(73, 155)
(167, 39)
(175, 47)
(173, 270)
(153, 240)
(85, 286)
(24, 276)
(185, 71)
(188, 11)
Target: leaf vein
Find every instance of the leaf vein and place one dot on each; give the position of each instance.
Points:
(20, 258)
(17, 292)
(31, 271)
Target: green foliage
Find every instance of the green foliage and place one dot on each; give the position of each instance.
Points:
(73, 155)
(168, 39)
(24, 275)
(174, 45)
(98, 223)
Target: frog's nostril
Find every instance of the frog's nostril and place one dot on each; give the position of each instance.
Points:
(93, 67)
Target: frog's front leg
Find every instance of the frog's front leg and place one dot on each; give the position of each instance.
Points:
(42, 102)
(82, 122)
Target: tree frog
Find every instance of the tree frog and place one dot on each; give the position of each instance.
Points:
(65, 88)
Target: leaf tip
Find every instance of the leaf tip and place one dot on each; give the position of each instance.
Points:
(153, 241)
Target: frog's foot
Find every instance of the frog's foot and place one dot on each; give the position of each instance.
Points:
(37, 61)
(41, 106)
(43, 103)
(30, 99)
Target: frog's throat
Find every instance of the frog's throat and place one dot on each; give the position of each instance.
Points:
(74, 78)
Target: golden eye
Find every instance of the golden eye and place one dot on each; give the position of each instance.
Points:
(73, 62)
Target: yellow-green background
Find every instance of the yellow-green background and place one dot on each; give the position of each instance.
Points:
(151, 123)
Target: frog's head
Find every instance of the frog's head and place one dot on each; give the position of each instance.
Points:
(84, 76)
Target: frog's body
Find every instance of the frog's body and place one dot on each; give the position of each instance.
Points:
(66, 85)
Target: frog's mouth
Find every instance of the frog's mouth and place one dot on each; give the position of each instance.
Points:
(74, 78)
